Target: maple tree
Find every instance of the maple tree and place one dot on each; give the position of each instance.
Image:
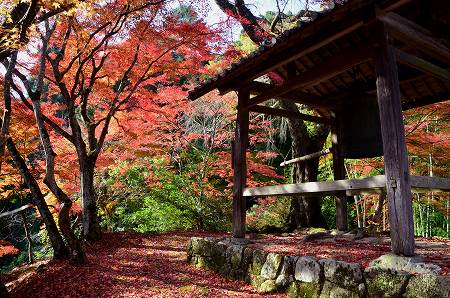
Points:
(86, 73)
(59, 247)
(93, 86)
(20, 17)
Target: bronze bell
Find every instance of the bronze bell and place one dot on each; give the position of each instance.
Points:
(360, 127)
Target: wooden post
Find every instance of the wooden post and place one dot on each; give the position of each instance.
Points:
(339, 174)
(240, 164)
(398, 184)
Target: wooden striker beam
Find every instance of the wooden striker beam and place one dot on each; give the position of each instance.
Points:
(306, 157)
(398, 183)
(240, 164)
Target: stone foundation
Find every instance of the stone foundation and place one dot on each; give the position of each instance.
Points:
(310, 277)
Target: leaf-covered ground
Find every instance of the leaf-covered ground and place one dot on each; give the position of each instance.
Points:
(139, 265)
(133, 265)
(345, 248)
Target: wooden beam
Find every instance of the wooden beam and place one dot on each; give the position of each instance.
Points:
(415, 35)
(306, 157)
(423, 65)
(300, 97)
(289, 114)
(240, 164)
(394, 4)
(369, 185)
(427, 100)
(430, 184)
(398, 184)
(315, 188)
(326, 70)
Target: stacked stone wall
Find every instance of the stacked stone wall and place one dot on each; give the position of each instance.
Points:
(388, 276)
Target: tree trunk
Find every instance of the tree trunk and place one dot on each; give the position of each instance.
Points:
(305, 212)
(357, 211)
(60, 250)
(379, 210)
(28, 237)
(91, 225)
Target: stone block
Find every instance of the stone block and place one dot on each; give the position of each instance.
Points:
(271, 266)
(428, 286)
(234, 256)
(385, 283)
(268, 286)
(286, 275)
(258, 260)
(332, 290)
(346, 275)
(307, 269)
(414, 264)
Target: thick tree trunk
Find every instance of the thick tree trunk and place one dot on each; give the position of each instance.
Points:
(305, 212)
(77, 254)
(60, 250)
(91, 225)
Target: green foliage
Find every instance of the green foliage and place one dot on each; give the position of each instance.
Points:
(170, 201)
(269, 214)
(245, 44)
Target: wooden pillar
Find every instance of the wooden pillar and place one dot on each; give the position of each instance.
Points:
(240, 164)
(339, 174)
(398, 184)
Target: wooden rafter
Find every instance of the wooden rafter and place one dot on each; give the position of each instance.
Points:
(294, 96)
(416, 36)
(327, 69)
(423, 65)
(289, 114)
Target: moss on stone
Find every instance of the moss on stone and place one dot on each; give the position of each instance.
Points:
(428, 286)
(271, 266)
(258, 259)
(255, 280)
(385, 283)
(333, 290)
(303, 289)
(268, 286)
(292, 291)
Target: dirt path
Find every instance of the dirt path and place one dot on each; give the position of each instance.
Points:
(133, 265)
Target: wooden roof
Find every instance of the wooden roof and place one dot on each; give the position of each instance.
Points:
(325, 60)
